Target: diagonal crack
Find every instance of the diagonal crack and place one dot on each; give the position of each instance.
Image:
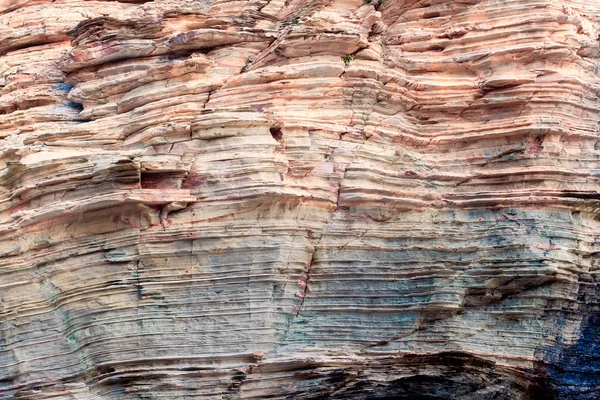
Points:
(310, 267)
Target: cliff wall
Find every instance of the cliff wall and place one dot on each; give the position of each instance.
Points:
(299, 199)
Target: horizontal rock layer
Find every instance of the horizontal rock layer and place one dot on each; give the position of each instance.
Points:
(299, 199)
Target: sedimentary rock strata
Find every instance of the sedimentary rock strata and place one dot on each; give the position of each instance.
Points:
(299, 199)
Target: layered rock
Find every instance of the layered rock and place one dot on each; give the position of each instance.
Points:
(299, 199)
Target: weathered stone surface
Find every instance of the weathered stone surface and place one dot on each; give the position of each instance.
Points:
(299, 199)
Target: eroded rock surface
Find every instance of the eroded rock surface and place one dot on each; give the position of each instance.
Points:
(299, 199)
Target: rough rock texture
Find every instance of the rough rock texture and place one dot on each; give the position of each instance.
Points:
(299, 199)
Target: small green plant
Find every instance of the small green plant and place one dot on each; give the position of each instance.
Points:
(347, 58)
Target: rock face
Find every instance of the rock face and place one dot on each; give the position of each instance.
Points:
(299, 199)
